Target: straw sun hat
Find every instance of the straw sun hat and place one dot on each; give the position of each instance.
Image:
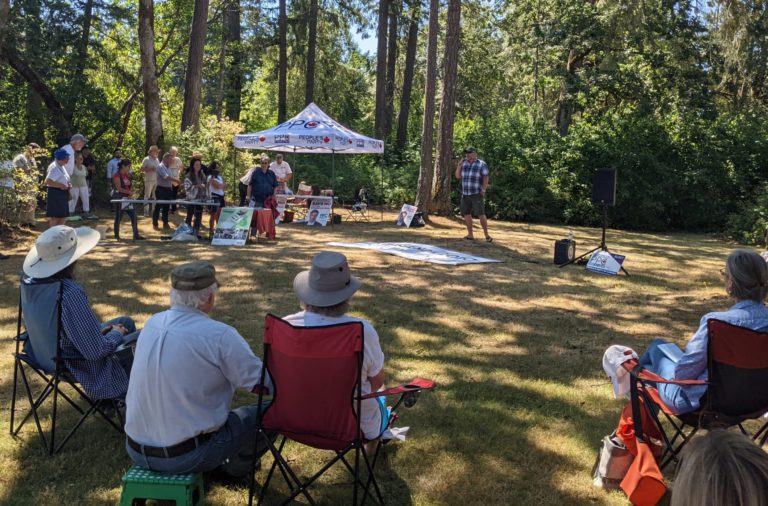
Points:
(327, 283)
(57, 248)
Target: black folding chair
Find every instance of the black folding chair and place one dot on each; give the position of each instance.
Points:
(38, 354)
(737, 361)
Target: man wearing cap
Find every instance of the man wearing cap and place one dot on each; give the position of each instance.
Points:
(76, 143)
(88, 347)
(473, 174)
(185, 373)
(57, 185)
(324, 292)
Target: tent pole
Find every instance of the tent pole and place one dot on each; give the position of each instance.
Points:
(382, 189)
(333, 177)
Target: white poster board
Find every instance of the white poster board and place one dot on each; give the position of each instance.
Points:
(605, 262)
(416, 251)
(233, 226)
(407, 212)
(282, 202)
(319, 212)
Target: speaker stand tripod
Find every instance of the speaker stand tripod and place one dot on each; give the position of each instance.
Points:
(601, 247)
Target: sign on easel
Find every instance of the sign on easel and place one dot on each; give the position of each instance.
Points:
(282, 202)
(319, 212)
(233, 226)
(605, 262)
(407, 212)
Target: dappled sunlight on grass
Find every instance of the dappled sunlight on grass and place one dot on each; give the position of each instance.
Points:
(515, 347)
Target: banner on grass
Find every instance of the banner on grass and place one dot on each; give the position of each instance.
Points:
(319, 212)
(416, 251)
(233, 226)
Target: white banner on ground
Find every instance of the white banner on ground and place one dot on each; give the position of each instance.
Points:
(416, 251)
(233, 226)
(605, 262)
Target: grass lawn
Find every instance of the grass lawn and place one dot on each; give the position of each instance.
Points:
(516, 347)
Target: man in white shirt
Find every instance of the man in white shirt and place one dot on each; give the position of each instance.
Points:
(186, 369)
(283, 172)
(76, 143)
(112, 165)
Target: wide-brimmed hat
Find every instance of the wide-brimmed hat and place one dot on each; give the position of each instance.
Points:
(327, 283)
(57, 248)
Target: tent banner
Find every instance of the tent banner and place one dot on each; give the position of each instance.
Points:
(416, 251)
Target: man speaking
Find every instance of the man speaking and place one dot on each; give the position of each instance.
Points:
(473, 174)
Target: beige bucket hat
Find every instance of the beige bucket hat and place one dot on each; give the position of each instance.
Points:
(328, 282)
(57, 248)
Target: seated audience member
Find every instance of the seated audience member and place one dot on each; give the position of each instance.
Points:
(186, 371)
(87, 346)
(722, 469)
(121, 184)
(746, 281)
(324, 292)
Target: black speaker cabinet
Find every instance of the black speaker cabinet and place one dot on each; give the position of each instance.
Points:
(604, 187)
(565, 251)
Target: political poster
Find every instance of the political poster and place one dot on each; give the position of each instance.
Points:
(319, 212)
(605, 262)
(282, 202)
(233, 226)
(416, 251)
(407, 212)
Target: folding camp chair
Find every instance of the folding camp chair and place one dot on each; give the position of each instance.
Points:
(315, 372)
(38, 353)
(358, 211)
(298, 203)
(737, 362)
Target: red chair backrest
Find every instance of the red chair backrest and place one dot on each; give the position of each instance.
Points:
(316, 376)
(738, 369)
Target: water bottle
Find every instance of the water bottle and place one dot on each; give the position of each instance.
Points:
(569, 235)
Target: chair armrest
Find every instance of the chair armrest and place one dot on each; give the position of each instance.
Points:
(415, 385)
(644, 375)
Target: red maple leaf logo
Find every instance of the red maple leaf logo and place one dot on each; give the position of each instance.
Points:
(262, 138)
(326, 139)
(350, 141)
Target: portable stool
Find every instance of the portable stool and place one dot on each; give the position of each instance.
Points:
(140, 484)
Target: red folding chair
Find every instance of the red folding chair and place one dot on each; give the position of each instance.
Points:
(737, 361)
(315, 373)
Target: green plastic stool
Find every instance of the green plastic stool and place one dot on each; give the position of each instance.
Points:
(140, 484)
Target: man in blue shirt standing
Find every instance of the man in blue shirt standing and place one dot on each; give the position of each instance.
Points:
(473, 174)
(262, 185)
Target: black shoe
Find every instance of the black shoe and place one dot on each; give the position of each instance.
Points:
(138, 237)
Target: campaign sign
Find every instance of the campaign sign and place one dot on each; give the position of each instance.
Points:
(282, 201)
(319, 213)
(406, 215)
(605, 262)
(233, 226)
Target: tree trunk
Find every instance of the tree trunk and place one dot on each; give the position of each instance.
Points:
(234, 51)
(444, 169)
(282, 64)
(85, 37)
(391, 69)
(124, 125)
(381, 69)
(222, 71)
(424, 188)
(410, 60)
(34, 104)
(152, 109)
(190, 116)
(309, 95)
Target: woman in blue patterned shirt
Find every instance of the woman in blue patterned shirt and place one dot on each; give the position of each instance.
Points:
(746, 282)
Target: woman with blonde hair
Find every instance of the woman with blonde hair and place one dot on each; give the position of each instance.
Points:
(722, 469)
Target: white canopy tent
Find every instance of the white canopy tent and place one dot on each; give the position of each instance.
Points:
(312, 131)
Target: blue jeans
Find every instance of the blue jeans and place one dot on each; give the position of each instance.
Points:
(229, 448)
(655, 360)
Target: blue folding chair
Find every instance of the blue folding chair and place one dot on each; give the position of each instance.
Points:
(38, 352)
